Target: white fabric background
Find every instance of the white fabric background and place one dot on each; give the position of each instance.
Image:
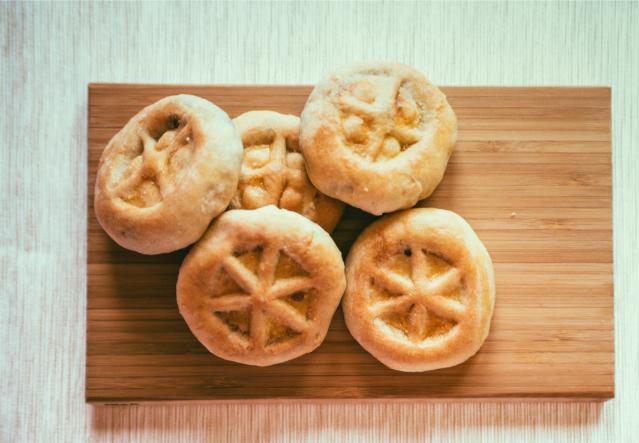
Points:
(50, 52)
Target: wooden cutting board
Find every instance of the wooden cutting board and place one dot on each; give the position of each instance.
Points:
(531, 173)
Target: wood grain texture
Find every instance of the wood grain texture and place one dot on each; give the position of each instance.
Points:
(50, 52)
(543, 211)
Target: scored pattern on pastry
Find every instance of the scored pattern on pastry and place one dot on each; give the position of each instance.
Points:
(380, 119)
(263, 296)
(418, 294)
(273, 173)
(155, 164)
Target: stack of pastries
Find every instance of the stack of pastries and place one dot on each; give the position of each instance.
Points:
(259, 196)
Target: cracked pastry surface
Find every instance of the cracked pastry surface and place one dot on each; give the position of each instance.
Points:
(273, 169)
(261, 286)
(420, 290)
(166, 174)
(377, 136)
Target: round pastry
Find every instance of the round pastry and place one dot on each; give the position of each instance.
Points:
(273, 171)
(420, 290)
(377, 136)
(261, 286)
(164, 176)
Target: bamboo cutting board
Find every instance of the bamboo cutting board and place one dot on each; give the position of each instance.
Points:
(531, 173)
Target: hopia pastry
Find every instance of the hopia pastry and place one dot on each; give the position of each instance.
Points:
(377, 136)
(420, 290)
(170, 170)
(273, 170)
(261, 286)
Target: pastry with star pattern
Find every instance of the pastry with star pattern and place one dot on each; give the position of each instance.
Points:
(274, 172)
(261, 286)
(166, 174)
(420, 290)
(377, 136)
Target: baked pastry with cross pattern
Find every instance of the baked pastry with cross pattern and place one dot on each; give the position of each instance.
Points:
(377, 136)
(261, 286)
(420, 290)
(170, 170)
(273, 170)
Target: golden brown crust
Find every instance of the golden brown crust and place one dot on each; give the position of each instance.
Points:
(163, 177)
(420, 290)
(273, 169)
(377, 136)
(261, 286)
